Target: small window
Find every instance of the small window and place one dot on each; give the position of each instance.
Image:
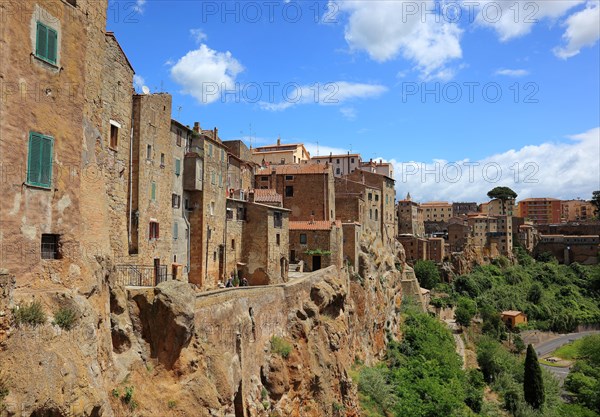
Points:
(278, 239)
(241, 213)
(229, 214)
(39, 162)
(337, 171)
(215, 256)
(277, 219)
(222, 155)
(264, 178)
(162, 160)
(153, 191)
(213, 178)
(370, 196)
(179, 134)
(149, 152)
(210, 147)
(352, 160)
(114, 136)
(175, 230)
(289, 191)
(212, 208)
(51, 246)
(289, 177)
(177, 166)
(282, 161)
(46, 46)
(175, 200)
(154, 231)
(303, 239)
(337, 161)
(376, 197)
(232, 244)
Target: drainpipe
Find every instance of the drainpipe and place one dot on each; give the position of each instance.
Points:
(189, 229)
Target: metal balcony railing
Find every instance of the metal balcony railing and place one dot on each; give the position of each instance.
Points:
(141, 275)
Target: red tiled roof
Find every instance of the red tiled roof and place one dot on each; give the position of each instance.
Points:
(267, 196)
(294, 169)
(314, 225)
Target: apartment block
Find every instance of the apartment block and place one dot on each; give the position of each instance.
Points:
(306, 189)
(341, 164)
(541, 210)
(280, 154)
(437, 211)
(577, 210)
(463, 209)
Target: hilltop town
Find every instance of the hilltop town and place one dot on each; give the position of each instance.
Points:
(194, 265)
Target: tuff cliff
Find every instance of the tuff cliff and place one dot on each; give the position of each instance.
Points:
(282, 350)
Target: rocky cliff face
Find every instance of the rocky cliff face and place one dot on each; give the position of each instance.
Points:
(282, 350)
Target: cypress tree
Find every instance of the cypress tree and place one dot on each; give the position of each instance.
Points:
(533, 384)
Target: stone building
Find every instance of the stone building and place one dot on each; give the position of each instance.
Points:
(387, 201)
(437, 211)
(306, 189)
(436, 249)
(205, 177)
(341, 164)
(410, 217)
(280, 154)
(54, 141)
(415, 248)
(567, 249)
(269, 197)
(153, 177)
(378, 167)
(497, 207)
(318, 243)
(577, 210)
(358, 202)
(463, 209)
(459, 235)
(351, 239)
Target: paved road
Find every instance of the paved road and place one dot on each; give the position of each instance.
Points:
(551, 345)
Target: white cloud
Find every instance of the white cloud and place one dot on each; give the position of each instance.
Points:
(333, 93)
(139, 6)
(515, 18)
(198, 35)
(561, 170)
(388, 29)
(582, 30)
(204, 73)
(138, 82)
(349, 113)
(512, 72)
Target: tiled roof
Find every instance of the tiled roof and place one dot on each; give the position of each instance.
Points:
(267, 196)
(294, 169)
(511, 313)
(314, 225)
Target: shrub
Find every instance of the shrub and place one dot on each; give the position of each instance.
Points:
(65, 318)
(427, 273)
(32, 314)
(171, 404)
(128, 396)
(280, 346)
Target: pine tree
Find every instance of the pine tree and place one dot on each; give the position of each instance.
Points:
(533, 383)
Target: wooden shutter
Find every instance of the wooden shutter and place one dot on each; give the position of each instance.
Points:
(177, 166)
(153, 192)
(41, 46)
(175, 230)
(52, 45)
(35, 158)
(46, 162)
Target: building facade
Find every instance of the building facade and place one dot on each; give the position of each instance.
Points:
(341, 164)
(437, 211)
(541, 210)
(280, 154)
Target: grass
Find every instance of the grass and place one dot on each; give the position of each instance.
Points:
(32, 314)
(281, 346)
(568, 351)
(65, 318)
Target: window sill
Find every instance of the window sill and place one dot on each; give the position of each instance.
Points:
(38, 187)
(44, 61)
(110, 148)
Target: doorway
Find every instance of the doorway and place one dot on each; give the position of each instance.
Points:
(316, 262)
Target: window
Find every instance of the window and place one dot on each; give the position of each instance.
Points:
(175, 230)
(153, 191)
(210, 149)
(376, 197)
(220, 179)
(337, 161)
(149, 152)
(39, 163)
(278, 239)
(177, 166)
(162, 160)
(352, 160)
(50, 246)
(46, 45)
(282, 161)
(232, 244)
(179, 134)
(229, 214)
(289, 191)
(241, 213)
(264, 178)
(376, 214)
(370, 196)
(222, 155)
(303, 239)
(337, 171)
(114, 136)
(277, 219)
(370, 213)
(154, 231)
(212, 208)
(175, 200)
(289, 177)
(186, 204)
(213, 178)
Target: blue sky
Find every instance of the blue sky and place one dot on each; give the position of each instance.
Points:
(389, 79)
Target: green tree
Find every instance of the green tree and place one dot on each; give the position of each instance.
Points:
(533, 384)
(427, 273)
(596, 202)
(535, 293)
(465, 311)
(503, 194)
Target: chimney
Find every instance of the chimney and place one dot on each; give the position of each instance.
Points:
(197, 127)
(330, 156)
(215, 133)
(278, 140)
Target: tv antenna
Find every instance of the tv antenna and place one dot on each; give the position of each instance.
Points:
(248, 137)
(179, 111)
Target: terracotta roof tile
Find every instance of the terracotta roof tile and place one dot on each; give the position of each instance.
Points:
(267, 196)
(314, 225)
(294, 169)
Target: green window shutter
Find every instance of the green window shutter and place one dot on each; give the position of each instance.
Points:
(175, 230)
(46, 161)
(41, 46)
(35, 159)
(52, 45)
(177, 167)
(153, 192)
